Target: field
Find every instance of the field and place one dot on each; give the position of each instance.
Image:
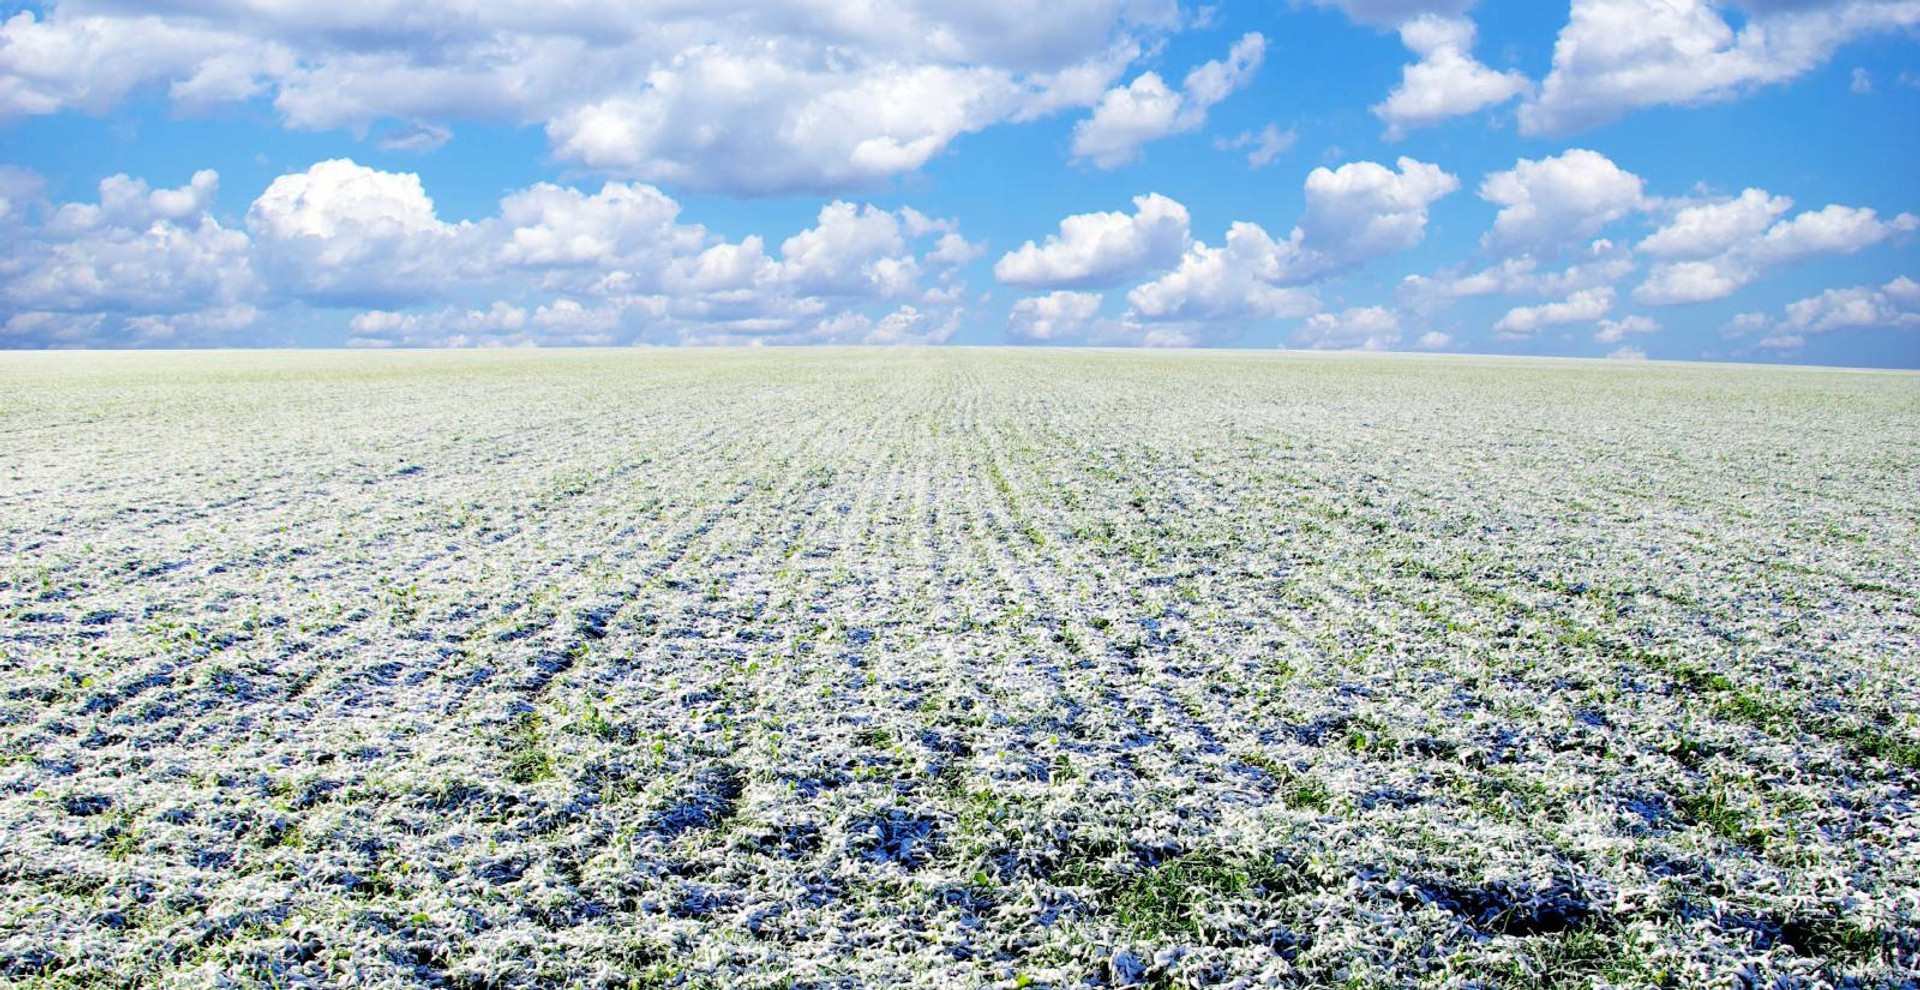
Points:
(955, 669)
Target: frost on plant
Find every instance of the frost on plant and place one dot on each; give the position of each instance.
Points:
(955, 669)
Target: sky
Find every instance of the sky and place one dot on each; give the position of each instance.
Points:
(1730, 180)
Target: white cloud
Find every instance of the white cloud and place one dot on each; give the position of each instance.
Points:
(721, 122)
(1096, 249)
(378, 328)
(129, 202)
(1128, 331)
(953, 250)
(34, 328)
(1615, 56)
(1705, 250)
(573, 322)
(1862, 83)
(19, 188)
(1740, 244)
(1605, 264)
(1688, 282)
(1895, 304)
(1447, 81)
(724, 270)
(500, 325)
(1391, 13)
(92, 63)
(1743, 324)
(1434, 339)
(1370, 328)
(1548, 203)
(1362, 211)
(342, 233)
(1904, 292)
(1708, 229)
(419, 137)
(1832, 229)
(340, 199)
(1615, 331)
(217, 326)
(1054, 317)
(138, 250)
(1627, 353)
(1147, 109)
(1581, 307)
(1358, 212)
(145, 266)
(906, 325)
(1267, 144)
(1236, 282)
(851, 250)
(750, 98)
(634, 228)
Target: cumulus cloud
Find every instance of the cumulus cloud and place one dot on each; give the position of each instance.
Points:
(753, 98)
(1447, 81)
(560, 322)
(1354, 214)
(1894, 305)
(1054, 317)
(1266, 144)
(1552, 202)
(1100, 249)
(1743, 324)
(501, 324)
(1372, 328)
(1722, 247)
(1235, 282)
(708, 124)
(905, 325)
(1364, 210)
(1688, 282)
(35, 328)
(1904, 292)
(1603, 263)
(1615, 331)
(1891, 305)
(419, 137)
(1833, 229)
(1705, 249)
(630, 227)
(1391, 13)
(93, 62)
(1358, 212)
(1582, 307)
(137, 251)
(1615, 56)
(145, 265)
(1147, 109)
(19, 188)
(1708, 229)
(341, 233)
(851, 250)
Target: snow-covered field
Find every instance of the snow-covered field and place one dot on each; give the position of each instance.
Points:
(955, 669)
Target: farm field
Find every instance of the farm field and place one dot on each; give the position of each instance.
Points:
(955, 668)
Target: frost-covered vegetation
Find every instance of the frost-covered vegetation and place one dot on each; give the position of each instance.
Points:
(955, 669)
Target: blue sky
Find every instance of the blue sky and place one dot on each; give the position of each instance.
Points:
(1674, 179)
